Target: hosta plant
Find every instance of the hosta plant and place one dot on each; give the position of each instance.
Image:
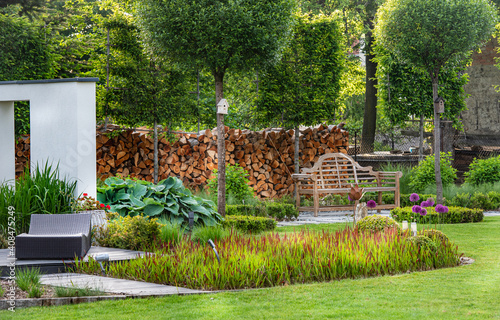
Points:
(168, 199)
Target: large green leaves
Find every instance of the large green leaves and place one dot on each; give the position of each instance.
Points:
(168, 199)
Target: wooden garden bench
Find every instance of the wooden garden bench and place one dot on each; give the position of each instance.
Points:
(335, 173)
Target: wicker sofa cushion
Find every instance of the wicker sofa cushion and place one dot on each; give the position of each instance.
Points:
(55, 236)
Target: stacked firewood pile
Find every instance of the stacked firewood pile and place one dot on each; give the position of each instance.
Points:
(22, 154)
(267, 155)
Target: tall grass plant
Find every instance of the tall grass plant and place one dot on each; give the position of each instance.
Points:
(42, 192)
(404, 181)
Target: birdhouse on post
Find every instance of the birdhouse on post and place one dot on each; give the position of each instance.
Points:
(439, 105)
(222, 106)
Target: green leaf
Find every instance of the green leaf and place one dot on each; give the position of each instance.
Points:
(153, 209)
(114, 182)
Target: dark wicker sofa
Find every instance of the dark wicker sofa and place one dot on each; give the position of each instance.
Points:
(55, 236)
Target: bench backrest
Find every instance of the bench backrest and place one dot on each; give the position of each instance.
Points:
(60, 224)
(338, 170)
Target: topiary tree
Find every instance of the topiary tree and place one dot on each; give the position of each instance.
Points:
(428, 34)
(304, 87)
(218, 35)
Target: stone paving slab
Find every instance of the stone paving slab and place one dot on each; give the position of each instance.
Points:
(113, 285)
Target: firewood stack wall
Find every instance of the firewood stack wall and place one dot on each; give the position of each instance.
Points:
(267, 155)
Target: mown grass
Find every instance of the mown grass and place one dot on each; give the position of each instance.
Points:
(467, 292)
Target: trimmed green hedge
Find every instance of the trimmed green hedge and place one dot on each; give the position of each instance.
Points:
(280, 211)
(454, 215)
(249, 224)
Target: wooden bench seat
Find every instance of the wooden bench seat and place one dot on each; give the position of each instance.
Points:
(335, 173)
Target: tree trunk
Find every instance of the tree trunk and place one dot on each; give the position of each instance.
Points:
(421, 139)
(155, 152)
(437, 143)
(221, 147)
(370, 116)
(296, 149)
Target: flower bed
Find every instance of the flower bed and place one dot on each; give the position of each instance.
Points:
(272, 260)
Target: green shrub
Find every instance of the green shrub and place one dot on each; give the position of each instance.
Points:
(202, 234)
(131, 233)
(489, 201)
(281, 211)
(436, 235)
(423, 175)
(249, 224)
(454, 215)
(168, 200)
(424, 242)
(494, 198)
(405, 199)
(171, 232)
(483, 171)
(236, 183)
(376, 223)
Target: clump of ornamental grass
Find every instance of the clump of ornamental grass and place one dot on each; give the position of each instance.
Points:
(273, 260)
(203, 233)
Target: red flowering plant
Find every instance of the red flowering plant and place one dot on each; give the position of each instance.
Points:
(87, 203)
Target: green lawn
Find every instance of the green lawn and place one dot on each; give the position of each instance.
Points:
(468, 292)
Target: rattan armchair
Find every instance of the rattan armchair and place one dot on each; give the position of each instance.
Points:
(55, 236)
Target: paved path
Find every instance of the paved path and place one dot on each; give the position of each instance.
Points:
(341, 217)
(114, 286)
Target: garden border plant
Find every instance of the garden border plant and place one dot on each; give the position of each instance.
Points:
(273, 260)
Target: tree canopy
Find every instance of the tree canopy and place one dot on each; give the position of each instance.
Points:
(304, 87)
(431, 34)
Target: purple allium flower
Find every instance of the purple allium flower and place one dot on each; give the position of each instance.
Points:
(439, 208)
(430, 201)
(371, 204)
(414, 197)
(445, 208)
(425, 204)
(423, 212)
(416, 209)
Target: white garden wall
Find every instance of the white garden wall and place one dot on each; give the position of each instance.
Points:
(62, 122)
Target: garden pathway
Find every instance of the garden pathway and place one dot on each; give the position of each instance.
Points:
(341, 217)
(113, 285)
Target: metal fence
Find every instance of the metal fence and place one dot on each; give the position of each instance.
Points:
(401, 146)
